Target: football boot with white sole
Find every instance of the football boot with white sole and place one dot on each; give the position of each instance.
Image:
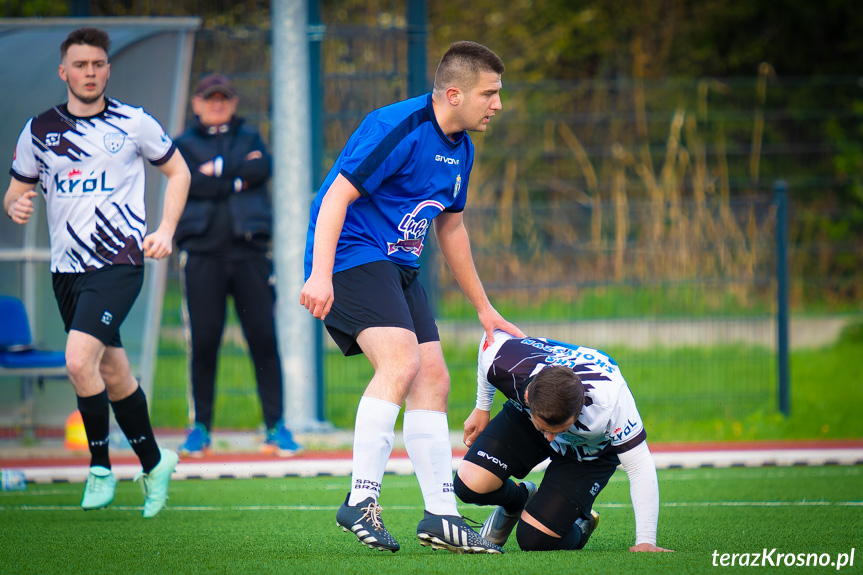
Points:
(450, 532)
(364, 521)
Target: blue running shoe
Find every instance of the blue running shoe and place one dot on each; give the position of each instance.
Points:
(197, 443)
(155, 483)
(280, 441)
(99, 490)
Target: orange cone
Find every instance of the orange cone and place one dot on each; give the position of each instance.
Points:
(76, 437)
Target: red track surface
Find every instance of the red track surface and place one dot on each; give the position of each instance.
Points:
(81, 459)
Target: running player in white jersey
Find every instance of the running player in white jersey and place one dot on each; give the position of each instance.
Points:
(88, 155)
(569, 404)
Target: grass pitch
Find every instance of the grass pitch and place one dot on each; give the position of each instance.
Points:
(288, 526)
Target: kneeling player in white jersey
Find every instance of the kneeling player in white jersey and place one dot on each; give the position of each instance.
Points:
(89, 156)
(571, 405)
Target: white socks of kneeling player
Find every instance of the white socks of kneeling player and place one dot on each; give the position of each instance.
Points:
(373, 442)
(428, 444)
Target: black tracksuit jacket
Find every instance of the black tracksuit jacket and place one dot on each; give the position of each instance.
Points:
(237, 200)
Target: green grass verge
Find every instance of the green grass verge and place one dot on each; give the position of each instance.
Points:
(692, 300)
(288, 526)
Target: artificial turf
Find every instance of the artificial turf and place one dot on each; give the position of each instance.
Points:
(288, 526)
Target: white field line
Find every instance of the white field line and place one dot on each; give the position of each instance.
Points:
(402, 466)
(337, 482)
(331, 508)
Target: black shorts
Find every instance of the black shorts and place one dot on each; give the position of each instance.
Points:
(97, 302)
(378, 294)
(511, 446)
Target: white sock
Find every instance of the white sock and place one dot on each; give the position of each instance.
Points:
(427, 441)
(373, 442)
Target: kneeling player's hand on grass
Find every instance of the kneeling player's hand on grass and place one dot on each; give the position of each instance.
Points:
(649, 547)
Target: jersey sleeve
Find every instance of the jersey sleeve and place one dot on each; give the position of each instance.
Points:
(644, 491)
(625, 426)
(25, 166)
(377, 153)
(484, 389)
(154, 143)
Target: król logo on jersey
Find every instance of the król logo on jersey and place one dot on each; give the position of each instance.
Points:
(75, 183)
(52, 139)
(114, 141)
(619, 433)
(414, 228)
(457, 187)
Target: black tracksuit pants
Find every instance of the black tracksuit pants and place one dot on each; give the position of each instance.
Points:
(206, 281)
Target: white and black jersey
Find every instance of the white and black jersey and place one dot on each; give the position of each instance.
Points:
(609, 418)
(92, 175)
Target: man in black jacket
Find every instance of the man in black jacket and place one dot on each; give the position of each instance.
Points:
(224, 238)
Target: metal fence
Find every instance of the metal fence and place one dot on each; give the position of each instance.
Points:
(628, 215)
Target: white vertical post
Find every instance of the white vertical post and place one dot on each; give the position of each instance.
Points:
(157, 271)
(292, 195)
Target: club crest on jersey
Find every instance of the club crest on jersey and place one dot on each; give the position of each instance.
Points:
(414, 229)
(52, 139)
(457, 187)
(114, 141)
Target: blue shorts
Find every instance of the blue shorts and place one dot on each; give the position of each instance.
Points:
(378, 294)
(97, 302)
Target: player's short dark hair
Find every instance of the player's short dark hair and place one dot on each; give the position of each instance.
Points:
(462, 64)
(556, 394)
(88, 37)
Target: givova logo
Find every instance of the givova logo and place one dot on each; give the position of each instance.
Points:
(445, 160)
(493, 459)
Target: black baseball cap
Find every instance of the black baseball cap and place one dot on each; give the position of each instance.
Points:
(213, 83)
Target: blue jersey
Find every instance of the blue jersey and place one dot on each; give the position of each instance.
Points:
(407, 172)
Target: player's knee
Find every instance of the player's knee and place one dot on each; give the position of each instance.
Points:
(465, 493)
(80, 368)
(530, 538)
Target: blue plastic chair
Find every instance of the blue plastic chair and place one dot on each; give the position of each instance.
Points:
(20, 358)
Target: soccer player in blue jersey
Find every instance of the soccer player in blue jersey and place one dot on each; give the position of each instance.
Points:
(405, 168)
(89, 156)
(569, 404)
